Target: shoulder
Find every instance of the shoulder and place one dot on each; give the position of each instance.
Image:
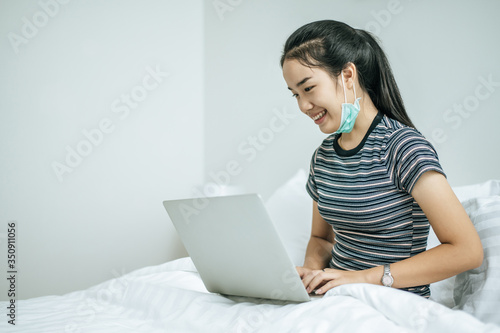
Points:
(400, 137)
(409, 155)
(396, 130)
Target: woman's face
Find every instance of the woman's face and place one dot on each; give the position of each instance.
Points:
(317, 94)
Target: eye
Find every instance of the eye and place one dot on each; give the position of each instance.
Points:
(295, 95)
(308, 88)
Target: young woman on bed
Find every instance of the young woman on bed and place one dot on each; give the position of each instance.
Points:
(376, 182)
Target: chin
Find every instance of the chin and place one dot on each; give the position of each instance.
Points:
(326, 129)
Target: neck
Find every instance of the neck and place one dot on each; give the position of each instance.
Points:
(367, 113)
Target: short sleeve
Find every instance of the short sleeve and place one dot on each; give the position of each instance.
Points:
(413, 156)
(311, 182)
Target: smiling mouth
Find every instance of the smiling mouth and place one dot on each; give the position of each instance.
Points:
(319, 115)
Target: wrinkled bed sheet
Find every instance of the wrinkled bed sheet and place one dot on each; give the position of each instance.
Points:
(172, 298)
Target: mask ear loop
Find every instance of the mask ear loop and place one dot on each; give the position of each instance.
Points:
(343, 86)
(354, 87)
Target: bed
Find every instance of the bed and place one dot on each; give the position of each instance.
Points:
(172, 298)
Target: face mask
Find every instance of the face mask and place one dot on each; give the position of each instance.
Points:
(349, 112)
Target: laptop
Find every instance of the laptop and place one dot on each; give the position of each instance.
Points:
(236, 248)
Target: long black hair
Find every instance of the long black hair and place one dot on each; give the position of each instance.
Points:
(331, 45)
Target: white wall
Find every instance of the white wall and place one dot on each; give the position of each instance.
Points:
(68, 75)
(440, 53)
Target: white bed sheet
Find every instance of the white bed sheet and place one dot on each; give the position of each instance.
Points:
(172, 298)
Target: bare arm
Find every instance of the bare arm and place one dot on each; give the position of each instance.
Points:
(320, 244)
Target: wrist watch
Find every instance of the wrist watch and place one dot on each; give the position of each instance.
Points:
(387, 279)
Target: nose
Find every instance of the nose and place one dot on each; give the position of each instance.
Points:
(305, 105)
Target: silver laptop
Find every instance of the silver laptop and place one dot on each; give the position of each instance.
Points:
(236, 248)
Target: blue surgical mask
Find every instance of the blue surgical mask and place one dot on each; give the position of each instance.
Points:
(349, 112)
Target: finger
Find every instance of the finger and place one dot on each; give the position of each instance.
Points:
(323, 278)
(317, 280)
(306, 279)
(302, 270)
(327, 286)
(313, 279)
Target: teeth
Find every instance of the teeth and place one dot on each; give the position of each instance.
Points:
(319, 115)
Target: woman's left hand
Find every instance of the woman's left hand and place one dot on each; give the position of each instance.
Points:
(320, 281)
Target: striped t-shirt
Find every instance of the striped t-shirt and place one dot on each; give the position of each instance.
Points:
(364, 194)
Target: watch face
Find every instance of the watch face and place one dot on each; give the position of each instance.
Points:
(387, 280)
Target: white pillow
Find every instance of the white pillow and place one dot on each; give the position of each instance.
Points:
(442, 291)
(477, 291)
(290, 208)
(486, 189)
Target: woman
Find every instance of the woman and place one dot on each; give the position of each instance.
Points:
(376, 182)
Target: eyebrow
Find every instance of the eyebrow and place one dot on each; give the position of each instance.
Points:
(304, 80)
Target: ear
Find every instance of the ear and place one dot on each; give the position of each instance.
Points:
(350, 75)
